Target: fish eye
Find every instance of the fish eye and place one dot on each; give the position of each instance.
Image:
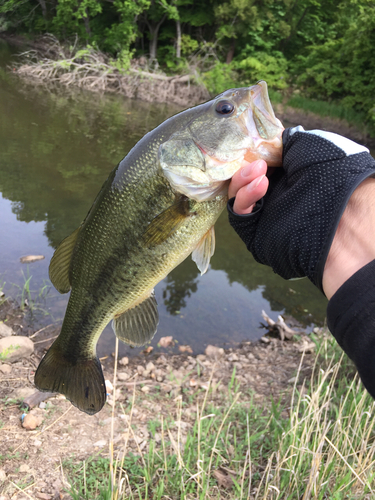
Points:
(224, 108)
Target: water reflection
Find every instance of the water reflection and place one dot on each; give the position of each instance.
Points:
(56, 150)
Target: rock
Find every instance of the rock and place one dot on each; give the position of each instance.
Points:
(24, 468)
(109, 386)
(3, 476)
(185, 348)
(122, 376)
(145, 389)
(5, 369)
(166, 341)
(42, 405)
(15, 347)
(37, 443)
(43, 496)
(233, 357)
(124, 361)
(24, 392)
(27, 259)
(140, 369)
(100, 443)
(31, 421)
(265, 340)
(214, 353)
(5, 330)
(150, 367)
(201, 357)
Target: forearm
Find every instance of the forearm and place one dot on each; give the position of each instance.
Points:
(351, 320)
(354, 244)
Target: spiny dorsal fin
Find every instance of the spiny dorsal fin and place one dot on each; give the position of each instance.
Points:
(166, 223)
(137, 325)
(204, 250)
(82, 381)
(60, 263)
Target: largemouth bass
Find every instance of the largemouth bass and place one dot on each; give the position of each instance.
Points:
(158, 206)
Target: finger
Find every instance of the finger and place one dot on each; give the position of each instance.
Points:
(249, 194)
(246, 175)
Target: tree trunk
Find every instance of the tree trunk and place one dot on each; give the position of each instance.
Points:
(178, 47)
(86, 20)
(230, 53)
(42, 3)
(154, 31)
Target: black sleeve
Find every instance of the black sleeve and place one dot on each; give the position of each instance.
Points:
(351, 320)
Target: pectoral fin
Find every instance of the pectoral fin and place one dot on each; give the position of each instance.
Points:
(204, 250)
(138, 325)
(166, 223)
(60, 263)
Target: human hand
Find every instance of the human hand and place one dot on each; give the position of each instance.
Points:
(248, 186)
(293, 231)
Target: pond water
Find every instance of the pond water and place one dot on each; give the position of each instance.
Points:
(56, 150)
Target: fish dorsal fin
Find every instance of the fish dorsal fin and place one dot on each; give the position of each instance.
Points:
(138, 325)
(204, 250)
(60, 263)
(166, 223)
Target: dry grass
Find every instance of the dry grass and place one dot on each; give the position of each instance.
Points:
(325, 448)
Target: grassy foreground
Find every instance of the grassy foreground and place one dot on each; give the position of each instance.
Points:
(318, 445)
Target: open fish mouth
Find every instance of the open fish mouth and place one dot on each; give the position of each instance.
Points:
(261, 121)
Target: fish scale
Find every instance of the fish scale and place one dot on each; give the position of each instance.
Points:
(146, 219)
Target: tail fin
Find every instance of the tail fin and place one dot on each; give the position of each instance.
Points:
(82, 382)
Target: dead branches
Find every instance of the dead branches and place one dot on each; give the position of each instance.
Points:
(90, 69)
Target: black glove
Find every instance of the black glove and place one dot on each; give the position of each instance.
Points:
(291, 229)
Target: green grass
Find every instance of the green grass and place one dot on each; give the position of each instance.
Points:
(321, 445)
(331, 109)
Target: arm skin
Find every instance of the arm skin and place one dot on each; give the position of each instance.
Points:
(353, 245)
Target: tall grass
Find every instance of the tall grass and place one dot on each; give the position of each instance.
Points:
(320, 446)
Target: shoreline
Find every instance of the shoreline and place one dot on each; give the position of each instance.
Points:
(179, 90)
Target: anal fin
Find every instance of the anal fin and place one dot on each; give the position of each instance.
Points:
(204, 250)
(138, 325)
(60, 263)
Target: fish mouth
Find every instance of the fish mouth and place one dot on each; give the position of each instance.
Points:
(263, 127)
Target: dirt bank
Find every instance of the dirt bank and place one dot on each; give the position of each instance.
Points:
(148, 387)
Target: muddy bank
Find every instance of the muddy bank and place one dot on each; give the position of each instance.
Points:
(148, 387)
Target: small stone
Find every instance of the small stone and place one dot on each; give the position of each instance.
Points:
(43, 496)
(166, 388)
(166, 341)
(185, 348)
(214, 353)
(150, 367)
(27, 259)
(145, 389)
(42, 405)
(140, 369)
(265, 340)
(24, 468)
(5, 330)
(3, 476)
(31, 421)
(37, 443)
(233, 357)
(15, 347)
(123, 376)
(109, 386)
(100, 443)
(5, 369)
(201, 357)
(124, 361)
(161, 360)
